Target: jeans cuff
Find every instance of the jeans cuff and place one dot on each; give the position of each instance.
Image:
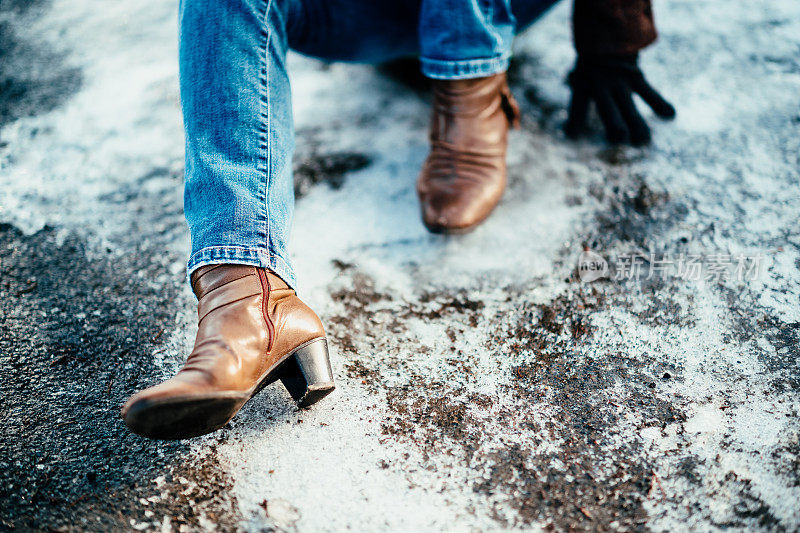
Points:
(464, 68)
(239, 255)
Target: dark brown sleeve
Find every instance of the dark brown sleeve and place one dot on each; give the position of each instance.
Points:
(612, 26)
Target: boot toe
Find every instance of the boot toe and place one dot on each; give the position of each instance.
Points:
(443, 217)
(457, 210)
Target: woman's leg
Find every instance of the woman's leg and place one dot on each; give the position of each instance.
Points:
(236, 101)
(462, 39)
(252, 327)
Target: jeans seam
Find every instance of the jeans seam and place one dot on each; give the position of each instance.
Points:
(489, 14)
(269, 126)
(263, 126)
(498, 41)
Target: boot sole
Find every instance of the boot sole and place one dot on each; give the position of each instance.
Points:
(440, 230)
(463, 230)
(305, 372)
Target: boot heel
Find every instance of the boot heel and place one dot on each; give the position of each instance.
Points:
(307, 373)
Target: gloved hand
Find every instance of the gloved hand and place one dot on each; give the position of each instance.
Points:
(610, 82)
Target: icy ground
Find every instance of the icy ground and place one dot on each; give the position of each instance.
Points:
(481, 385)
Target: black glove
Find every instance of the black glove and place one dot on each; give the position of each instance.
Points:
(611, 82)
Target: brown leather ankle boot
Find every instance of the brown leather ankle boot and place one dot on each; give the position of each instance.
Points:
(464, 176)
(253, 331)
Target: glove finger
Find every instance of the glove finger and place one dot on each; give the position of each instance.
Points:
(616, 132)
(657, 102)
(578, 109)
(639, 132)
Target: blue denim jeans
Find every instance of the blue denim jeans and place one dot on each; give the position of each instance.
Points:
(236, 99)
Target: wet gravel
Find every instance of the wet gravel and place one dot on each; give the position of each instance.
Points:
(77, 336)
